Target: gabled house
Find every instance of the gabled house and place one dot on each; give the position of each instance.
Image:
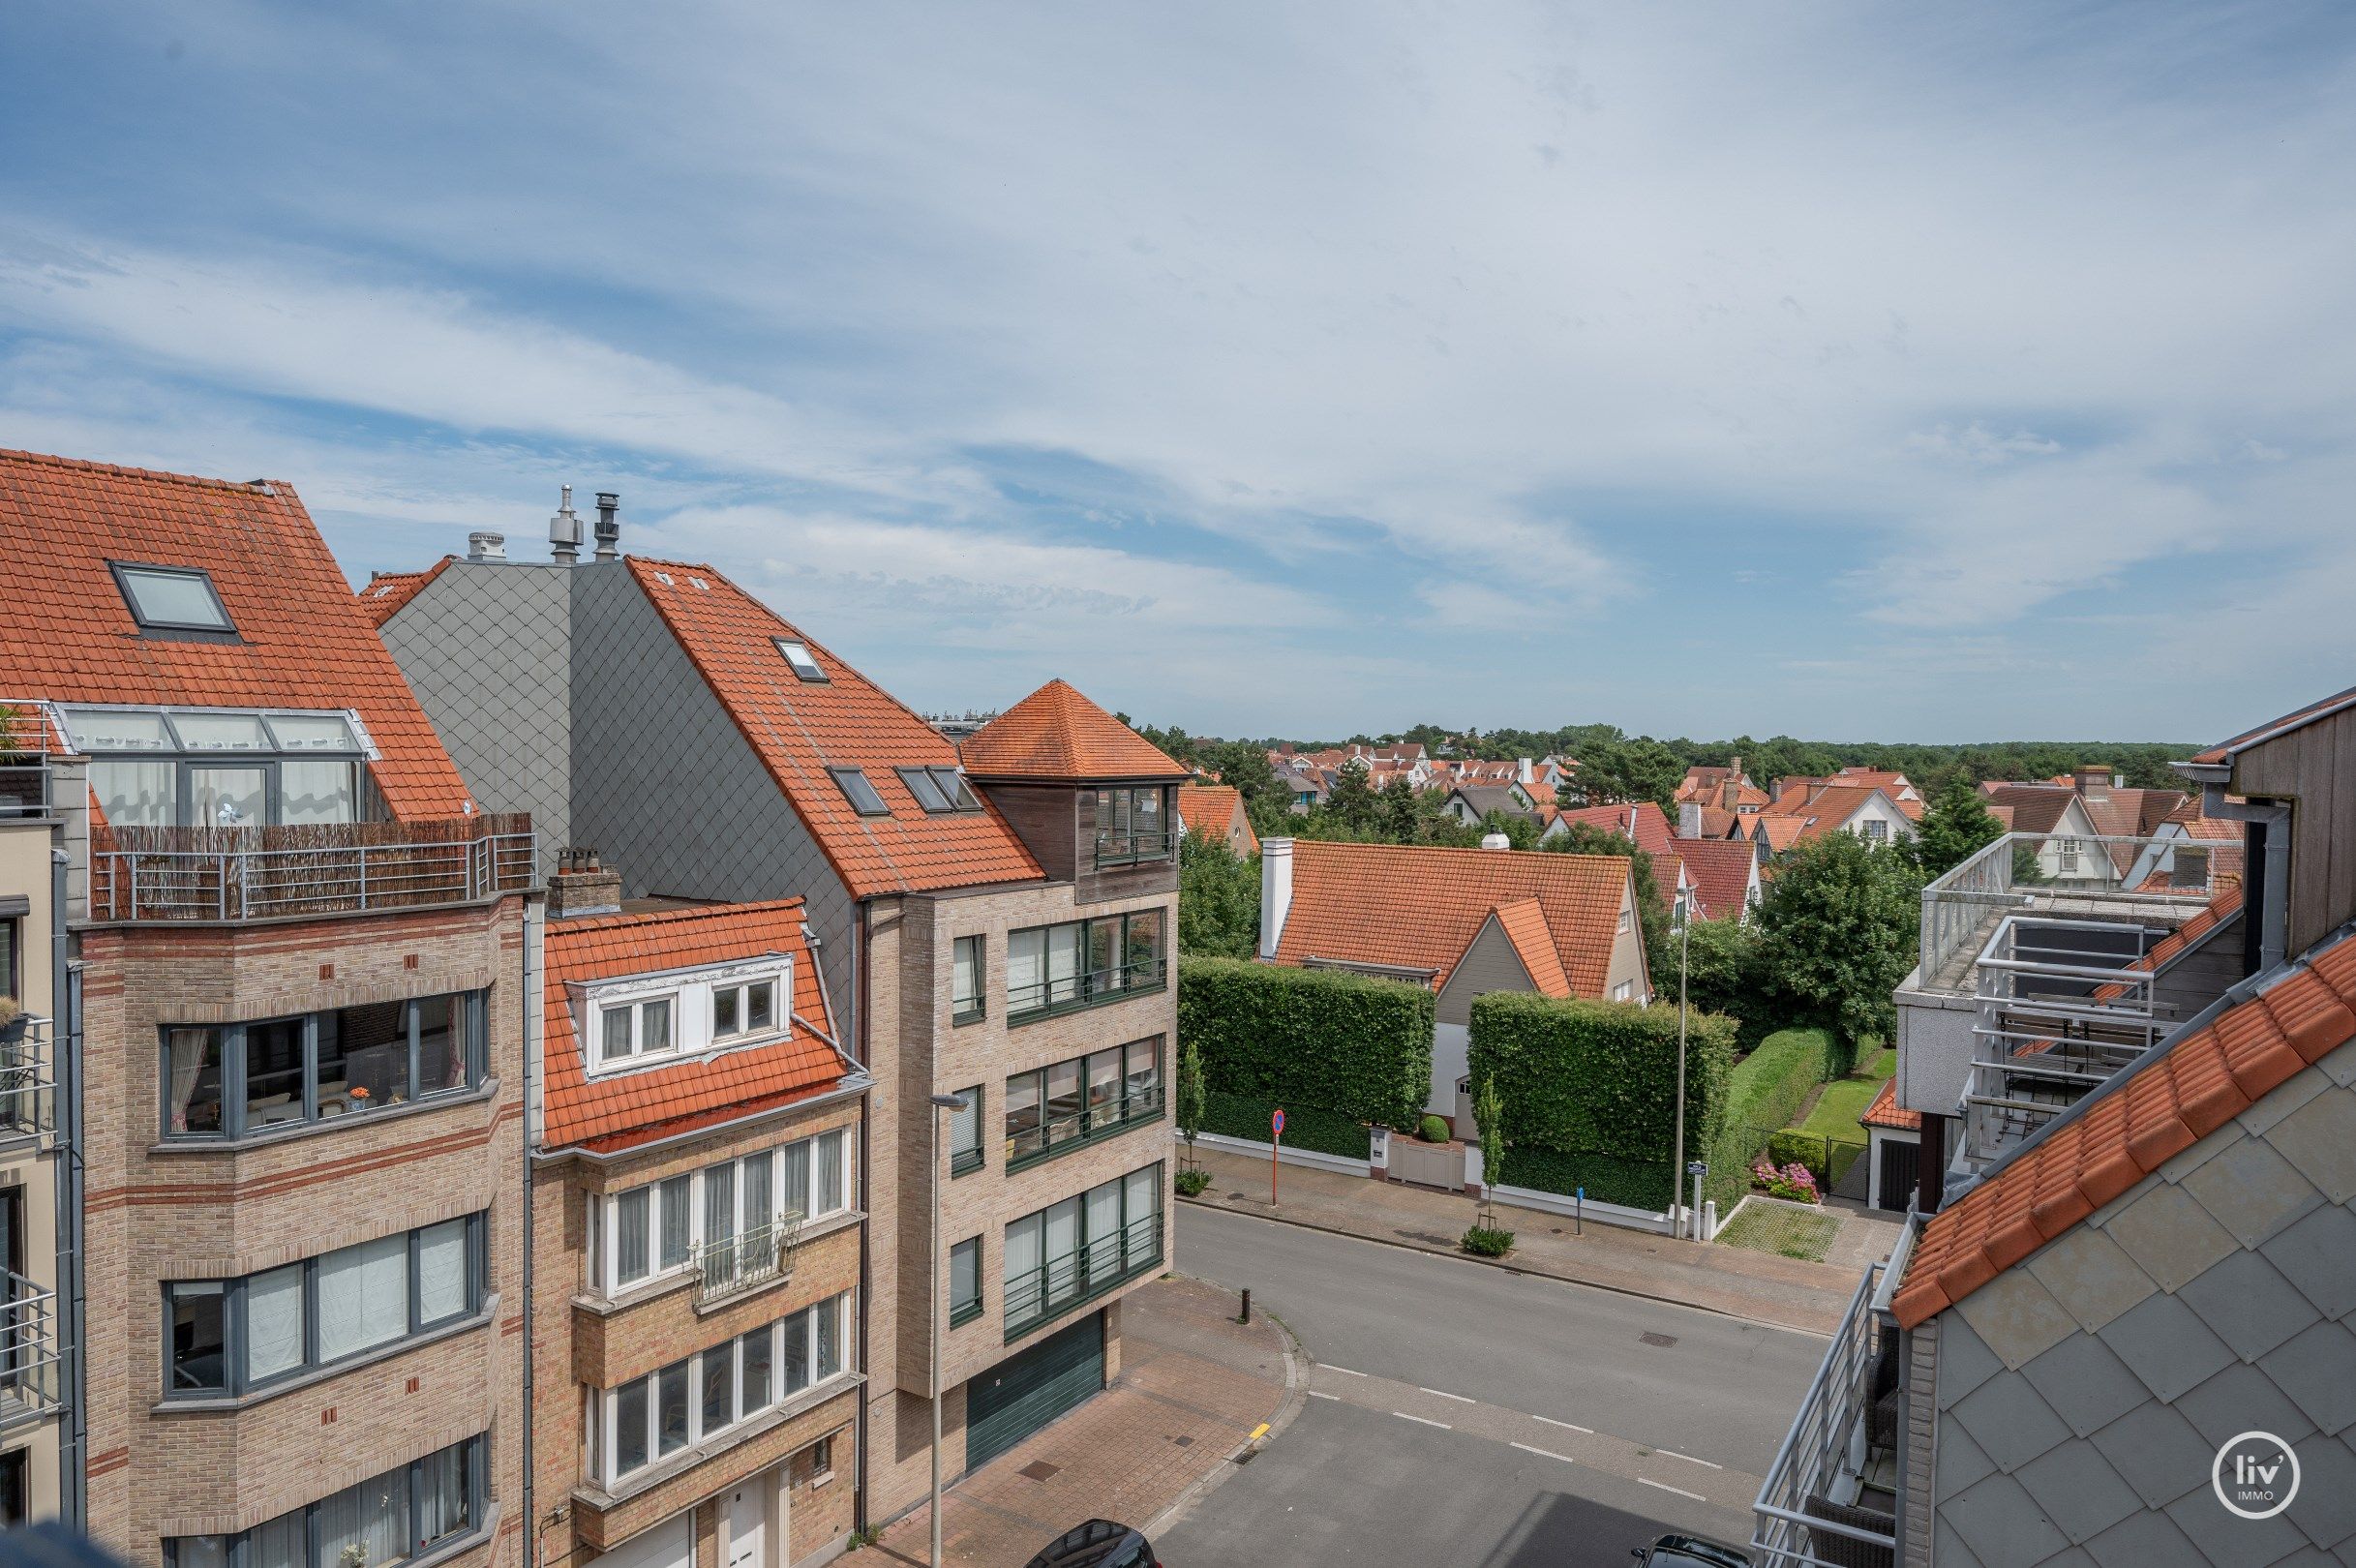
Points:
(1808, 807)
(1471, 804)
(1464, 923)
(1726, 789)
(1724, 874)
(1217, 811)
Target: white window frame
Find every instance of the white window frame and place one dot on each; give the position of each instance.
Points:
(1627, 921)
(635, 1007)
(693, 1015)
(742, 990)
(1624, 991)
(608, 1264)
(608, 1450)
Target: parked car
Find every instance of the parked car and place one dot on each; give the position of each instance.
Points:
(1099, 1544)
(1689, 1551)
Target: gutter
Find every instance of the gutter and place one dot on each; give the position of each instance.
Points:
(535, 1009)
(2269, 869)
(66, 1001)
(854, 1084)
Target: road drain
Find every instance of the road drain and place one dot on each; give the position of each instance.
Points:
(1664, 1340)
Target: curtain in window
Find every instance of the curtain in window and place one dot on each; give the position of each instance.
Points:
(754, 1180)
(1144, 1067)
(190, 1053)
(1063, 961)
(966, 987)
(441, 1271)
(756, 1350)
(366, 1524)
(797, 1182)
(674, 1196)
(654, 1026)
(443, 1497)
(364, 1296)
(1026, 969)
(274, 1322)
(965, 1123)
(830, 1336)
(278, 1544)
(631, 1238)
(720, 1206)
(796, 1353)
(315, 790)
(830, 1196)
(1022, 1296)
(1103, 1257)
(137, 794)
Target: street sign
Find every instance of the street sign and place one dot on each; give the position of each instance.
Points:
(1699, 1167)
(1275, 1127)
(1277, 1121)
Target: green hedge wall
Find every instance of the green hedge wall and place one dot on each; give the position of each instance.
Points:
(1767, 1090)
(1309, 1038)
(1590, 1094)
(1305, 1127)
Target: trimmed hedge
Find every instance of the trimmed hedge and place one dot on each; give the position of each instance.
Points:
(1305, 1127)
(1767, 1090)
(1589, 1089)
(1309, 1038)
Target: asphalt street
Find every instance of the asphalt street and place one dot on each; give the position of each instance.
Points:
(1459, 1414)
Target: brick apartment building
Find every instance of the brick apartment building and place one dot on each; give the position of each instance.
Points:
(284, 1293)
(998, 930)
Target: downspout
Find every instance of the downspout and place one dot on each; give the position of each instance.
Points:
(862, 933)
(65, 985)
(536, 937)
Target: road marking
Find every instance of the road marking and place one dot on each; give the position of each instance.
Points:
(1443, 1394)
(1423, 1420)
(1687, 1458)
(1546, 1452)
(1320, 1394)
(1344, 1370)
(1551, 1422)
(1666, 1487)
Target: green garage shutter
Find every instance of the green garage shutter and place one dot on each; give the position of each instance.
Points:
(1023, 1393)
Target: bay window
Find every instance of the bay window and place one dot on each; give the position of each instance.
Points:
(731, 1221)
(703, 1395)
(406, 1511)
(1065, 1105)
(1132, 825)
(232, 1080)
(1083, 963)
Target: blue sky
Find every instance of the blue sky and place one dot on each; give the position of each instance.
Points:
(1892, 372)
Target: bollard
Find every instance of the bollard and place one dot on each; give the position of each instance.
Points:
(1579, 1221)
(1247, 1317)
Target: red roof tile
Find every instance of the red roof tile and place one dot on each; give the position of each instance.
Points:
(1419, 907)
(2177, 1093)
(1642, 823)
(387, 592)
(621, 1110)
(1721, 871)
(800, 729)
(1886, 1112)
(1524, 923)
(1217, 809)
(301, 641)
(1057, 735)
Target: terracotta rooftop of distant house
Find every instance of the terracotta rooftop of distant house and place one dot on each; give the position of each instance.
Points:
(1524, 923)
(387, 592)
(1721, 872)
(1418, 907)
(1780, 832)
(1887, 1112)
(2165, 1101)
(1216, 809)
(1719, 823)
(2115, 813)
(800, 728)
(620, 1110)
(1824, 810)
(296, 639)
(1057, 736)
(2296, 719)
(2002, 812)
(1642, 823)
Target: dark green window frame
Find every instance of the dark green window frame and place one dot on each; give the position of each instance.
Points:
(965, 1134)
(1117, 957)
(1110, 1104)
(1131, 832)
(1097, 1264)
(303, 1529)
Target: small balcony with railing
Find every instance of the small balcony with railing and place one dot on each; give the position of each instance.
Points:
(28, 1082)
(1104, 1264)
(1830, 1497)
(1088, 988)
(28, 1350)
(307, 871)
(731, 1266)
(1135, 1106)
(28, 737)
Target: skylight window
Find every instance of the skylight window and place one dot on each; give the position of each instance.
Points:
(960, 793)
(799, 655)
(171, 598)
(860, 793)
(926, 788)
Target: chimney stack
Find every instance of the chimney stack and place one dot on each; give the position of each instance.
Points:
(1275, 891)
(565, 530)
(609, 526)
(2093, 783)
(486, 547)
(582, 885)
(1689, 819)
(1495, 842)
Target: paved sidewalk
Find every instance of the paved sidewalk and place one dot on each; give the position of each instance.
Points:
(1764, 1288)
(1193, 1384)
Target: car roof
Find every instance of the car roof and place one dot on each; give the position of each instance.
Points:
(1085, 1544)
(1694, 1550)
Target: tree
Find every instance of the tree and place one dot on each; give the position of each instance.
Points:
(1651, 909)
(1837, 931)
(1957, 823)
(1352, 803)
(1489, 1117)
(1244, 764)
(1722, 975)
(1625, 771)
(1218, 899)
(1193, 1100)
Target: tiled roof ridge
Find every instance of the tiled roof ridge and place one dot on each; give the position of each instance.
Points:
(680, 914)
(2256, 1037)
(1058, 731)
(385, 594)
(275, 489)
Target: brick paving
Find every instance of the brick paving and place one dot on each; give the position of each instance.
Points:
(1193, 1384)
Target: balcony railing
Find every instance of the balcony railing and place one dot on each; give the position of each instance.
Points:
(760, 1256)
(1061, 1134)
(27, 1086)
(1056, 1286)
(28, 737)
(28, 1350)
(1093, 989)
(1810, 1513)
(2061, 872)
(1131, 849)
(340, 868)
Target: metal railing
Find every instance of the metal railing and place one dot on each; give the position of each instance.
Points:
(261, 873)
(28, 737)
(1805, 1516)
(1091, 989)
(747, 1261)
(1131, 849)
(27, 1085)
(2029, 870)
(1060, 1135)
(1056, 1286)
(28, 1348)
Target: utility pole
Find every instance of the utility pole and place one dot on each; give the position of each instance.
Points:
(1677, 1166)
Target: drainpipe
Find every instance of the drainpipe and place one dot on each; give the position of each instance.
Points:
(2266, 909)
(66, 1109)
(862, 934)
(535, 936)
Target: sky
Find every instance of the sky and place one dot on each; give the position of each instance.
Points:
(1857, 372)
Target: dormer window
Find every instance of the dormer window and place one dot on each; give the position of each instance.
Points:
(627, 1023)
(799, 655)
(860, 792)
(635, 1029)
(743, 1009)
(171, 598)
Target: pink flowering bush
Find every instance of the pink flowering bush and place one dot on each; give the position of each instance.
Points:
(1793, 1181)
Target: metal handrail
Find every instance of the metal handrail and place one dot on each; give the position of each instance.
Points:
(1127, 1110)
(1958, 903)
(27, 1084)
(1823, 1446)
(1085, 989)
(1061, 1284)
(256, 882)
(1126, 849)
(28, 1345)
(29, 737)
(746, 1261)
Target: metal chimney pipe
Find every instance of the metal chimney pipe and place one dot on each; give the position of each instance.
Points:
(609, 526)
(565, 530)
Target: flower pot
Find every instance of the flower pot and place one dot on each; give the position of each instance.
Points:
(12, 1030)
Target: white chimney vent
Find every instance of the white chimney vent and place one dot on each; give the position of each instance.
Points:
(565, 530)
(486, 547)
(1275, 891)
(1495, 842)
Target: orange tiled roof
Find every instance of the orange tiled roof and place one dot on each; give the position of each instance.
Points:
(2222, 908)
(301, 642)
(1524, 923)
(1886, 1112)
(1217, 809)
(2170, 1099)
(1721, 870)
(2296, 719)
(628, 1108)
(387, 592)
(1419, 907)
(1055, 734)
(1818, 811)
(1642, 823)
(800, 729)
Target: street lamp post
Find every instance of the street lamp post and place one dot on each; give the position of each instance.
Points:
(1684, 930)
(940, 1287)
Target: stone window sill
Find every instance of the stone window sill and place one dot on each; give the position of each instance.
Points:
(295, 1131)
(227, 1403)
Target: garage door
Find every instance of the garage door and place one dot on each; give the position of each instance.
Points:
(1901, 1168)
(668, 1545)
(1023, 1393)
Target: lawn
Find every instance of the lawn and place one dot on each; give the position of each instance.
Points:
(1788, 1229)
(1838, 1107)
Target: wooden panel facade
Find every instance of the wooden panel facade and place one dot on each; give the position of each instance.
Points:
(2314, 769)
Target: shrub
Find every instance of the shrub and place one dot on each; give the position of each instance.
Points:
(1305, 1127)
(1432, 1129)
(1589, 1089)
(1794, 1182)
(1350, 1044)
(1190, 1183)
(1767, 1090)
(1482, 1241)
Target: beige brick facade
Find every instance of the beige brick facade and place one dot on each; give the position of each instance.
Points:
(29, 1159)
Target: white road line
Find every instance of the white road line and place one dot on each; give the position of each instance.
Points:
(1545, 1453)
(1443, 1394)
(1672, 1453)
(1320, 1394)
(1666, 1487)
(1551, 1422)
(1423, 1420)
(1344, 1370)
